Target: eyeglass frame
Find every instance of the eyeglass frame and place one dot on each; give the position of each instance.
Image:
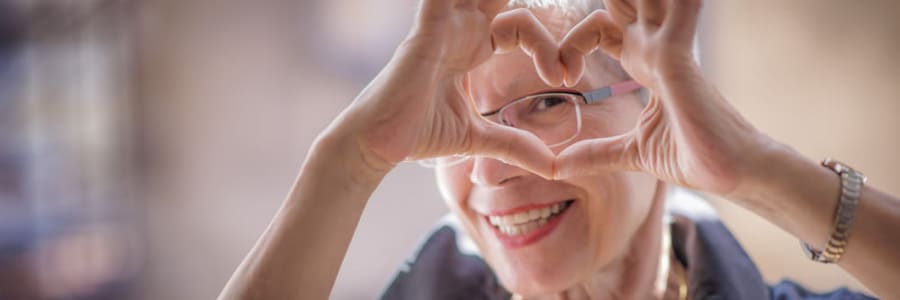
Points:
(592, 97)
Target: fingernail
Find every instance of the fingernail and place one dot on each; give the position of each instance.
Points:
(570, 82)
(556, 78)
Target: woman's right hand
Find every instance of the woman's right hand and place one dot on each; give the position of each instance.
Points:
(418, 106)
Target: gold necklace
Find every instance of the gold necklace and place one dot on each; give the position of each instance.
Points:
(669, 265)
(680, 272)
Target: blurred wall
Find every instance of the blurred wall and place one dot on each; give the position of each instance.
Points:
(233, 93)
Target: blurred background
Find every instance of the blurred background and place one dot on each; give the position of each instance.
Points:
(144, 145)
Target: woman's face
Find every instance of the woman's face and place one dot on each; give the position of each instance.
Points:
(577, 226)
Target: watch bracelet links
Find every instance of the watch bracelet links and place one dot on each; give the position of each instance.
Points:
(851, 186)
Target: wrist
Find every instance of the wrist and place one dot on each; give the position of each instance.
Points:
(787, 188)
(383, 122)
(765, 171)
(340, 152)
(423, 52)
(677, 71)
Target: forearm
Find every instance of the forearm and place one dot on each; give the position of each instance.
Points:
(800, 196)
(300, 253)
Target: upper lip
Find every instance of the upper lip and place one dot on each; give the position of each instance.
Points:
(522, 195)
(521, 208)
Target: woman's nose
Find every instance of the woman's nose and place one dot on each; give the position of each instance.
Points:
(493, 172)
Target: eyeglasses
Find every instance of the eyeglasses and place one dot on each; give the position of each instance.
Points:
(554, 116)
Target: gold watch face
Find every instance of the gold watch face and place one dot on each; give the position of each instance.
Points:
(840, 168)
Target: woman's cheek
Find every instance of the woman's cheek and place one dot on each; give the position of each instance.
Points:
(456, 188)
(454, 184)
(612, 118)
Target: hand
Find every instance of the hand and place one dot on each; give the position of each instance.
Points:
(418, 107)
(688, 134)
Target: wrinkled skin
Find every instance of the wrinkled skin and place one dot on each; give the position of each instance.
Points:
(669, 139)
(610, 206)
(425, 103)
(688, 134)
(428, 115)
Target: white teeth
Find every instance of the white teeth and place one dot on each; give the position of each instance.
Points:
(509, 230)
(524, 222)
(520, 218)
(531, 226)
(545, 212)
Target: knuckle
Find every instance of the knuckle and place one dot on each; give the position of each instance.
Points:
(598, 15)
(571, 48)
(520, 14)
(694, 5)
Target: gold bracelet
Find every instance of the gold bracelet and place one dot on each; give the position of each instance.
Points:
(851, 186)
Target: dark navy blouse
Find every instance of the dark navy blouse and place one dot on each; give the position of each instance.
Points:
(448, 267)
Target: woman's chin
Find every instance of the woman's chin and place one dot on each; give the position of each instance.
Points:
(548, 266)
(536, 279)
(532, 289)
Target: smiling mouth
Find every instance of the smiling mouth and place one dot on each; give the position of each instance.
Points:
(525, 222)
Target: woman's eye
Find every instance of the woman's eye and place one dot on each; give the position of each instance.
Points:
(548, 102)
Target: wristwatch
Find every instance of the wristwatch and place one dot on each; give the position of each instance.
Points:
(851, 186)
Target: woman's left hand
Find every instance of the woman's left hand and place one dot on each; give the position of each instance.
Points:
(688, 134)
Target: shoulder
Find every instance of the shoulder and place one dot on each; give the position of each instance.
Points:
(718, 267)
(446, 266)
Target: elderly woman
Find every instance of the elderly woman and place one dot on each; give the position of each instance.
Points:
(557, 169)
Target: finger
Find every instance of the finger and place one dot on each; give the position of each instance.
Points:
(597, 30)
(520, 28)
(681, 21)
(652, 11)
(623, 11)
(465, 4)
(491, 7)
(513, 146)
(596, 156)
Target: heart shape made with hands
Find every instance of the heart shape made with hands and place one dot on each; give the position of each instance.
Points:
(557, 63)
(687, 134)
(646, 36)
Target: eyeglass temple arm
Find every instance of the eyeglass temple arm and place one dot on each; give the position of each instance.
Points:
(612, 90)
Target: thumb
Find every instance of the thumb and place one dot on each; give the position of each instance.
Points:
(513, 146)
(593, 156)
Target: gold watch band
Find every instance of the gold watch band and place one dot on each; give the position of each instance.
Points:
(851, 186)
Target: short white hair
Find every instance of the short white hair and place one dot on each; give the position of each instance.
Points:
(582, 7)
